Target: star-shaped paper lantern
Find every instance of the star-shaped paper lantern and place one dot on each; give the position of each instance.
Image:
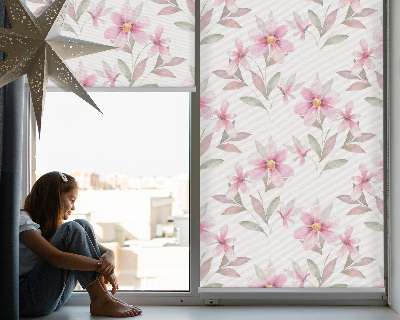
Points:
(36, 48)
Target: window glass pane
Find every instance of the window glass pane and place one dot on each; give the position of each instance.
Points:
(292, 144)
(132, 166)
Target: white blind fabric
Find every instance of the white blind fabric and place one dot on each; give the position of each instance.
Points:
(154, 41)
(291, 143)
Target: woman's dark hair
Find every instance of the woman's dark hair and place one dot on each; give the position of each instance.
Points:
(43, 203)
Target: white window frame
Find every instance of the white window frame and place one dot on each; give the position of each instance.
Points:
(277, 296)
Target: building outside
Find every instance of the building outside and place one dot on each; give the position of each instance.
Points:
(148, 235)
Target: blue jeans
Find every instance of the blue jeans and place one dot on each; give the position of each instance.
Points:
(47, 288)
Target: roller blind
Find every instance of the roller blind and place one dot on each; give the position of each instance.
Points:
(154, 41)
(292, 117)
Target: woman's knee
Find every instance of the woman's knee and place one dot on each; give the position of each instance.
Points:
(85, 225)
(71, 226)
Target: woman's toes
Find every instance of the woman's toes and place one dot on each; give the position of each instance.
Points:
(128, 314)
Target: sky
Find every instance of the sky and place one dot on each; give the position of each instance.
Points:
(140, 133)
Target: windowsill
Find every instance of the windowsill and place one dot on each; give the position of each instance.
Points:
(240, 312)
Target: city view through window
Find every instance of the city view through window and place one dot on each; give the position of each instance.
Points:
(132, 167)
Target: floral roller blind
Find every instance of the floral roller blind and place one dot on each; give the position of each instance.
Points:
(291, 143)
(154, 41)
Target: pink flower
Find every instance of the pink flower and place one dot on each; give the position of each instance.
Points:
(348, 122)
(230, 4)
(363, 182)
(272, 165)
(238, 182)
(273, 39)
(301, 153)
(302, 28)
(364, 58)
(223, 242)
(96, 13)
(286, 89)
(378, 37)
(355, 5)
(158, 45)
(378, 161)
(111, 77)
(125, 26)
(301, 277)
(348, 245)
(286, 215)
(223, 120)
(238, 57)
(314, 226)
(206, 222)
(84, 79)
(315, 101)
(205, 110)
(272, 280)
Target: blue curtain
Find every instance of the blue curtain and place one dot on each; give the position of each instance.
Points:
(11, 111)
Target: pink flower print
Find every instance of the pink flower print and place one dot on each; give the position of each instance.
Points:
(302, 28)
(223, 244)
(314, 226)
(238, 182)
(378, 162)
(84, 79)
(363, 182)
(378, 37)
(223, 120)
(125, 26)
(364, 58)
(205, 110)
(316, 101)
(355, 5)
(271, 164)
(286, 215)
(206, 236)
(286, 89)
(273, 39)
(158, 45)
(238, 57)
(230, 4)
(272, 280)
(111, 77)
(348, 245)
(96, 13)
(301, 277)
(348, 121)
(301, 153)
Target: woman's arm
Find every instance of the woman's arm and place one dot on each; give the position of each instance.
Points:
(65, 260)
(107, 260)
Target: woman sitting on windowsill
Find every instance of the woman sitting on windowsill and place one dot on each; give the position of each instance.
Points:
(54, 256)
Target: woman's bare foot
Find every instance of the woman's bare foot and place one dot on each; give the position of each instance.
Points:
(103, 284)
(102, 304)
(111, 308)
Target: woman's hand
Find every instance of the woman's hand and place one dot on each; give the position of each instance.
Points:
(112, 279)
(107, 263)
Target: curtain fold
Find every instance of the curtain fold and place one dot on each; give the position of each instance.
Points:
(11, 111)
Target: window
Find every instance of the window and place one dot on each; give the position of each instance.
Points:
(311, 295)
(132, 166)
